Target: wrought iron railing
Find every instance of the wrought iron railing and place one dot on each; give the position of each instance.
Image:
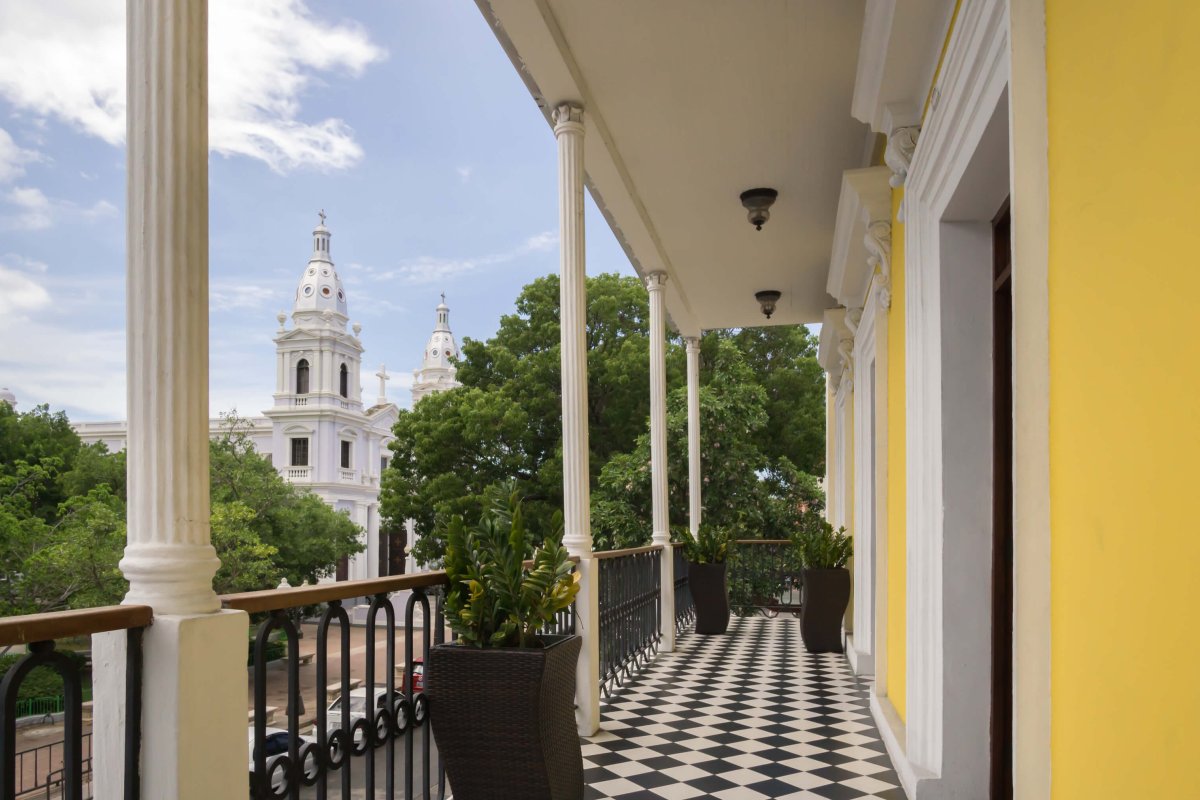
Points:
(39, 770)
(630, 611)
(765, 576)
(353, 743)
(685, 609)
(39, 632)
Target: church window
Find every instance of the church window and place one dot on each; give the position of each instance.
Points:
(325, 291)
(302, 376)
(308, 290)
(344, 382)
(383, 462)
(300, 452)
(345, 455)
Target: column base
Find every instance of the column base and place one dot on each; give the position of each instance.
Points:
(587, 627)
(171, 578)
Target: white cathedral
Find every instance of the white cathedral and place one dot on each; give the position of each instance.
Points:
(319, 433)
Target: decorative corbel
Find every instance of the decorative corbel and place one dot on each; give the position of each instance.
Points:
(901, 144)
(878, 241)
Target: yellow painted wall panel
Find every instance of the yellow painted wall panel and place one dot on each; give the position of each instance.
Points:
(1125, 381)
(897, 558)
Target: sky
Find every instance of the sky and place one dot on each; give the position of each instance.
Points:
(402, 119)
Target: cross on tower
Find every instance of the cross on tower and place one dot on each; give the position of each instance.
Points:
(321, 214)
(383, 379)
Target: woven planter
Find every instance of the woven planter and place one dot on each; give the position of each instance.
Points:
(823, 601)
(504, 720)
(710, 594)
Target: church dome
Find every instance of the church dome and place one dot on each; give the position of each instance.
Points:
(6, 396)
(320, 287)
(441, 347)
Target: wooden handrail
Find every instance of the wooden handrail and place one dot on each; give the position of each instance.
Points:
(77, 622)
(600, 555)
(295, 597)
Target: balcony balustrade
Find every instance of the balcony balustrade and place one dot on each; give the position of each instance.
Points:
(385, 748)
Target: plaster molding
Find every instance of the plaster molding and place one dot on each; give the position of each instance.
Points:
(898, 155)
(655, 281)
(947, 715)
(878, 241)
(865, 201)
(567, 114)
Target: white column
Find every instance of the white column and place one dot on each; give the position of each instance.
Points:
(577, 524)
(194, 679)
(693, 398)
(655, 283)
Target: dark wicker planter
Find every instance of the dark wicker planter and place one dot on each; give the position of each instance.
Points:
(710, 593)
(823, 600)
(504, 720)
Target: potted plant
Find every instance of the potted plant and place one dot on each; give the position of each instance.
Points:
(502, 696)
(706, 553)
(826, 590)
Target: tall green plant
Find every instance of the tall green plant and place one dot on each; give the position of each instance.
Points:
(709, 546)
(494, 600)
(820, 546)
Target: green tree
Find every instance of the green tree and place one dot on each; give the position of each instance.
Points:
(454, 449)
(307, 537)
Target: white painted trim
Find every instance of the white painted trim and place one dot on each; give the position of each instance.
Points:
(865, 476)
(948, 381)
(892, 732)
(1031, 401)
(876, 308)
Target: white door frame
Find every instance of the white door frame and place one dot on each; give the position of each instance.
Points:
(866, 487)
(958, 179)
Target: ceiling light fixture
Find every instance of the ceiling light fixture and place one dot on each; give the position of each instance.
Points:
(767, 300)
(757, 203)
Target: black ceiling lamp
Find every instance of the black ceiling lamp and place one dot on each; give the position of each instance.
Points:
(767, 300)
(757, 203)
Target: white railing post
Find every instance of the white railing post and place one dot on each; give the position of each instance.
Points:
(655, 283)
(577, 524)
(194, 654)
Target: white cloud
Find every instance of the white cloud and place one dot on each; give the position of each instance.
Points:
(33, 209)
(21, 291)
(432, 269)
(67, 60)
(226, 295)
(464, 173)
(13, 158)
(101, 209)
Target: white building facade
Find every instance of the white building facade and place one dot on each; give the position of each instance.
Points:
(319, 433)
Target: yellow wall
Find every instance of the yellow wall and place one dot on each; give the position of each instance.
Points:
(1124, 286)
(897, 564)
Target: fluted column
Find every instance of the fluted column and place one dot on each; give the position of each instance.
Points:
(169, 560)
(655, 284)
(693, 399)
(577, 523)
(194, 655)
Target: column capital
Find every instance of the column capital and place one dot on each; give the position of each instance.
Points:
(567, 117)
(655, 281)
(693, 343)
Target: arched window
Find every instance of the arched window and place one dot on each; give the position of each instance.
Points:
(302, 376)
(344, 385)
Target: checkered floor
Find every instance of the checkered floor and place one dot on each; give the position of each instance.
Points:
(743, 716)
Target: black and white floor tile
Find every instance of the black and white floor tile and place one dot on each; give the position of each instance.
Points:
(744, 716)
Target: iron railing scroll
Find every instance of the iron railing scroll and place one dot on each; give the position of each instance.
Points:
(66, 768)
(765, 576)
(685, 609)
(351, 746)
(630, 612)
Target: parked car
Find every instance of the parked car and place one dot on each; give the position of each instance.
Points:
(358, 704)
(277, 745)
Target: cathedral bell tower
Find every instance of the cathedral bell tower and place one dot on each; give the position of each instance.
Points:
(437, 371)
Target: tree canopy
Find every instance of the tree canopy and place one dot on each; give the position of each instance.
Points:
(762, 408)
(62, 518)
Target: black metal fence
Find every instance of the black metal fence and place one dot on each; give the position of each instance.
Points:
(373, 739)
(630, 611)
(685, 609)
(765, 576)
(60, 769)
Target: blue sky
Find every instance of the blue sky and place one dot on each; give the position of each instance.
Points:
(403, 120)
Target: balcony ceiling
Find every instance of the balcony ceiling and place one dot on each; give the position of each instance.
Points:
(687, 104)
